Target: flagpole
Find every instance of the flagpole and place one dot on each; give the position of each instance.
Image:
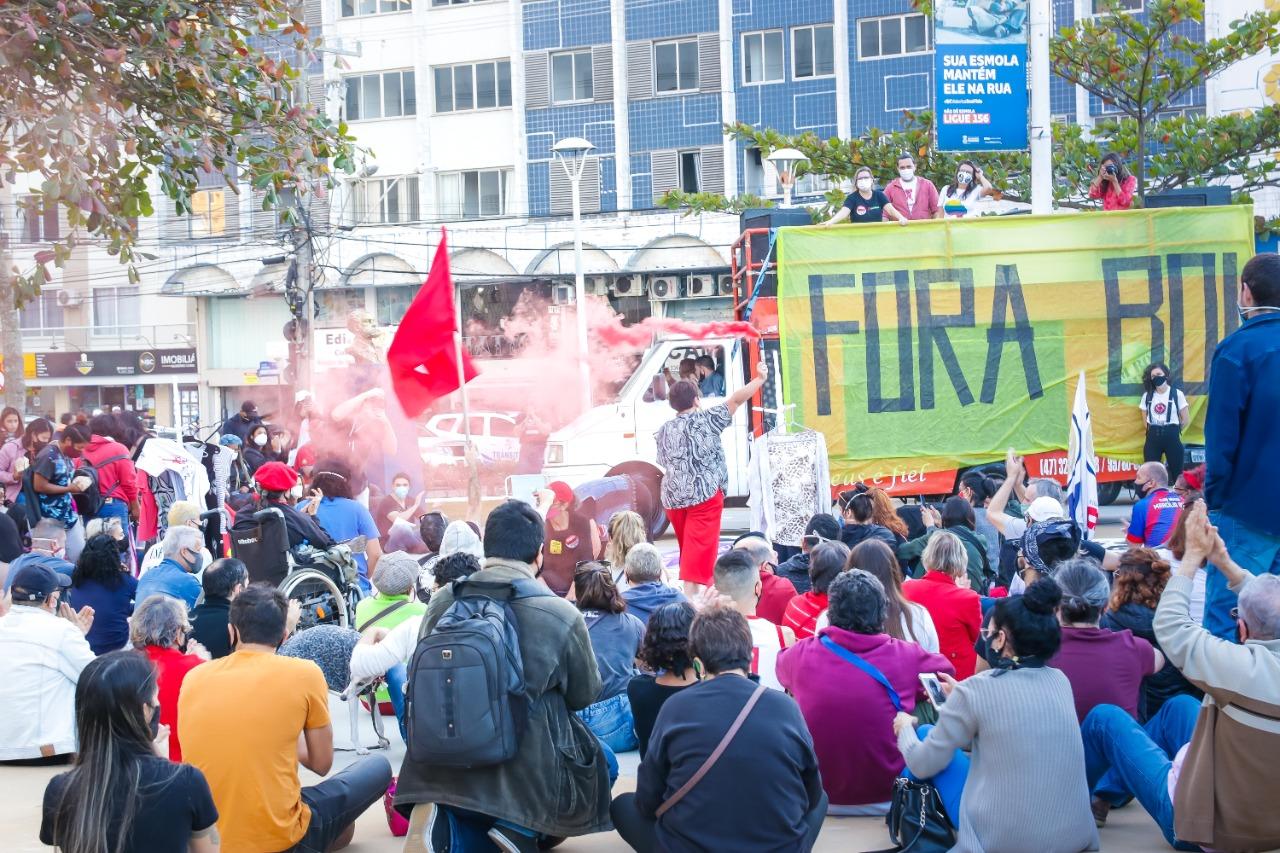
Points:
(462, 379)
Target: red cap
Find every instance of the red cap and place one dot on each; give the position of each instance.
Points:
(562, 491)
(306, 456)
(276, 477)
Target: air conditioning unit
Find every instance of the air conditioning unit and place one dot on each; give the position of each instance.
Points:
(702, 285)
(724, 284)
(562, 294)
(69, 298)
(596, 285)
(627, 285)
(662, 287)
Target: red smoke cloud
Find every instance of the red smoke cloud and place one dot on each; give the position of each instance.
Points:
(640, 334)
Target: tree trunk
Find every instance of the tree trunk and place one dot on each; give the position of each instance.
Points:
(1140, 168)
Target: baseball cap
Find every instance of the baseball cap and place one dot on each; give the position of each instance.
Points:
(249, 407)
(822, 527)
(562, 490)
(36, 580)
(1043, 509)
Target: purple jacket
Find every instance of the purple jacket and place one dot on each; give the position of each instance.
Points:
(10, 453)
(849, 714)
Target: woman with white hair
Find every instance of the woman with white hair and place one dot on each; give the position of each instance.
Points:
(160, 629)
(944, 591)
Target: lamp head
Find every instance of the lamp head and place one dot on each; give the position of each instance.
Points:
(785, 160)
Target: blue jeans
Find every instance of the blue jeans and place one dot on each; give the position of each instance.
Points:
(117, 508)
(468, 830)
(1138, 758)
(949, 782)
(1254, 551)
(612, 721)
(396, 677)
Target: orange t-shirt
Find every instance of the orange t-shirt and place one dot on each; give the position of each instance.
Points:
(241, 717)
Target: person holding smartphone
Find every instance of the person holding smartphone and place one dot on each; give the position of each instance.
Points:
(1113, 185)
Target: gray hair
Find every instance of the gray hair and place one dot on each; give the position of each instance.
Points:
(181, 536)
(760, 549)
(1046, 488)
(1260, 607)
(1085, 590)
(857, 602)
(945, 553)
(47, 528)
(643, 563)
(158, 621)
(109, 525)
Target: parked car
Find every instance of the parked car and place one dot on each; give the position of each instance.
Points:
(444, 440)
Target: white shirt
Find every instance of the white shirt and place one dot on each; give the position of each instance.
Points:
(41, 658)
(1197, 583)
(766, 642)
(1158, 414)
(370, 661)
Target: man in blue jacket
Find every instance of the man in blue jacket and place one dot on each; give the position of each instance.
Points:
(1242, 441)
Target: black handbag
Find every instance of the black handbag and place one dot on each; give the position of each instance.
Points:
(917, 820)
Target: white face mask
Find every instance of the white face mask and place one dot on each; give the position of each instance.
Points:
(296, 491)
(963, 178)
(260, 439)
(908, 175)
(864, 184)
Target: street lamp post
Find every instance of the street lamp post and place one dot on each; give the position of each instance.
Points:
(785, 160)
(573, 157)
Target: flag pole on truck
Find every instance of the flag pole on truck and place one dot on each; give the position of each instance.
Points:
(1041, 13)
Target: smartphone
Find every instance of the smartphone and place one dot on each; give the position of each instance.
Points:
(933, 689)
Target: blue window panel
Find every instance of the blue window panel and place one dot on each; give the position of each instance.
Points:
(658, 19)
(675, 122)
(792, 107)
(608, 184)
(872, 80)
(770, 14)
(550, 24)
(1193, 100)
(539, 190)
(641, 182)
(593, 122)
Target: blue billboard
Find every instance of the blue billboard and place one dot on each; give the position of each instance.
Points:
(980, 74)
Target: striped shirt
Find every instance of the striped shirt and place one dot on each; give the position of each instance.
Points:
(803, 612)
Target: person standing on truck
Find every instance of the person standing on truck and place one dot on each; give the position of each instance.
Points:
(691, 453)
(1164, 409)
(866, 203)
(1241, 439)
(915, 198)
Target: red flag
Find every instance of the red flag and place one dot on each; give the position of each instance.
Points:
(422, 357)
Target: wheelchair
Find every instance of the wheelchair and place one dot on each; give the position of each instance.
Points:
(323, 582)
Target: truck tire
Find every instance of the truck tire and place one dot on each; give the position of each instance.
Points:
(1108, 492)
(647, 481)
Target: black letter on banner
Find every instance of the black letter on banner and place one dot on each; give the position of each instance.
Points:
(933, 332)
(1176, 263)
(822, 330)
(1008, 295)
(906, 399)
(1117, 312)
(1230, 295)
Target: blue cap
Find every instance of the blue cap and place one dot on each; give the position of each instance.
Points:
(57, 565)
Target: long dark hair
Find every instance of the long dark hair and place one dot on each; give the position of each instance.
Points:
(957, 512)
(1148, 385)
(333, 477)
(99, 561)
(1122, 174)
(33, 429)
(973, 185)
(594, 588)
(877, 558)
(113, 733)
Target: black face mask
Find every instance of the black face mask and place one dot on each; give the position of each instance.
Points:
(123, 546)
(155, 721)
(1159, 381)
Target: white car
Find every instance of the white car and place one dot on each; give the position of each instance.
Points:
(493, 433)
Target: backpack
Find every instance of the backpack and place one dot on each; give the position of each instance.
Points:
(465, 699)
(89, 502)
(979, 577)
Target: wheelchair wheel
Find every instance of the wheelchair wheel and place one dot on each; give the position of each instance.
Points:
(321, 600)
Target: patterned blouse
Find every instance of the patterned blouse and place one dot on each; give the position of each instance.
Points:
(691, 453)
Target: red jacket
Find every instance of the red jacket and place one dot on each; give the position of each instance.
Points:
(803, 612)
(172, 667)
(775, 594)
(956, 613)
(117, 479)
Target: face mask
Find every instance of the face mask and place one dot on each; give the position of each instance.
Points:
(296, 491)
(402, 492)
(908, 175)
(260, 439)
(864, 184)
(1158, 381)
(963, 178)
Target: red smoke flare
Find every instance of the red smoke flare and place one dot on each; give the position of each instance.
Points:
(639, 335)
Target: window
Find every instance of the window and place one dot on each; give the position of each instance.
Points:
(117, 311)
(762, 57)
(387, 95)
(333, 306)
(392, 303)
(690, 169)
(675, 66)
(208, 214)
(42, 315)
(482, 86)
(571, 77)
(38, 224)
(813, 52)
(441, 3)
(1103, 7)
(470, 195)
(893, 36)
(351, 8)
(387, 200)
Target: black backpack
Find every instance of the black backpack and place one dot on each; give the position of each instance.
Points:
(89, 502)
(465, 701)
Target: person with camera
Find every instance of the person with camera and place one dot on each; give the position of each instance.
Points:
(1113, 186)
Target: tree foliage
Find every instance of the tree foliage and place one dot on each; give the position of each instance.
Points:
(102, 98)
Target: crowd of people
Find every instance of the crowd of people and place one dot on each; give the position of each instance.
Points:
(980, 654)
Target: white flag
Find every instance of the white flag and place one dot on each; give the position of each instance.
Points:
(1082, 482)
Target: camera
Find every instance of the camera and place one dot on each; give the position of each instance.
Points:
(1110, 169)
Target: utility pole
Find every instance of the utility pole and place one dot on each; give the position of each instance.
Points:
(304, 257)
(1041, 13)
(15, 384)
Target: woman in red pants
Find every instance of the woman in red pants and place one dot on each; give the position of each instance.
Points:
(692, 455)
